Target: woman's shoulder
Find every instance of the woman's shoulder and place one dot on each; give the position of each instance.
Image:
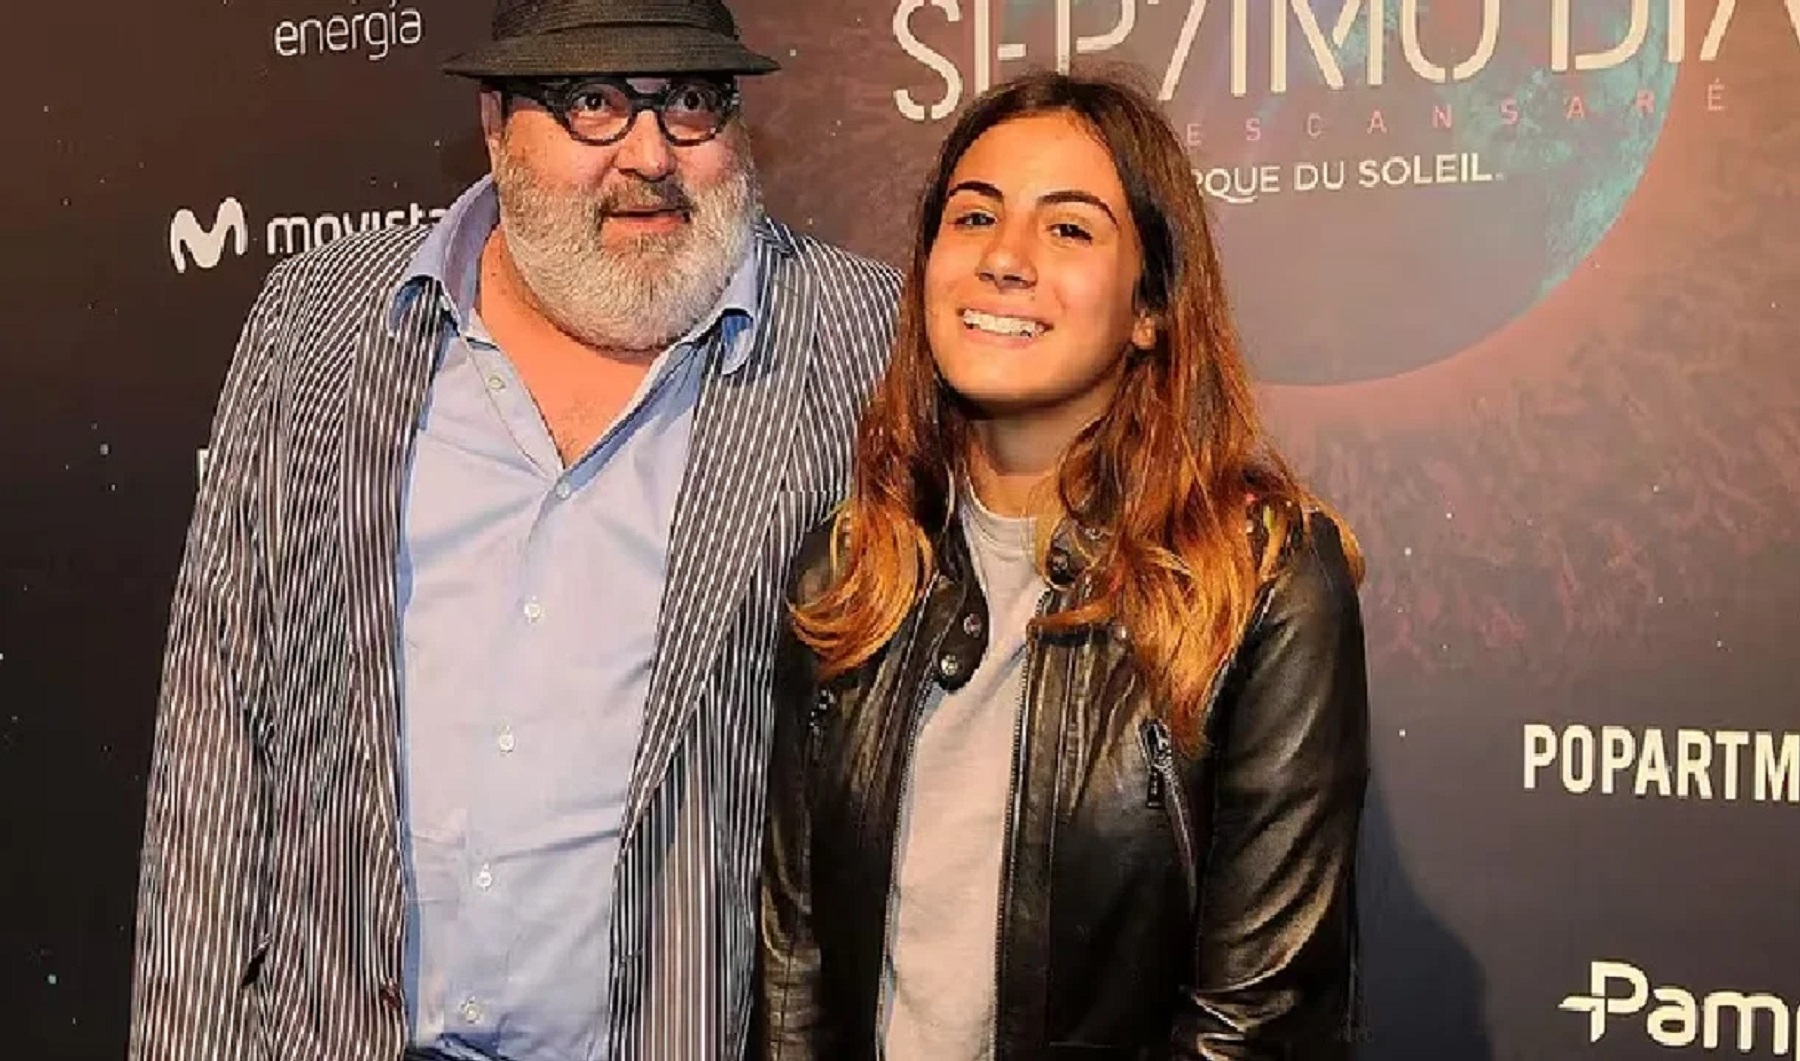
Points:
(1315, 572)
(1303, 691)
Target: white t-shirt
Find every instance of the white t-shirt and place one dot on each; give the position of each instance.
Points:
(939, 982)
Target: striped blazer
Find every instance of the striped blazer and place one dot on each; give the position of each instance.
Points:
(270, 905)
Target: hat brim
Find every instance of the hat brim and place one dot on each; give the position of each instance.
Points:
(612, 50)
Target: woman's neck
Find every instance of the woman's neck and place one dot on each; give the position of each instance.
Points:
(1012, 467)
(1014, 453)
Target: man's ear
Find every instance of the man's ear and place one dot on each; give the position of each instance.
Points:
(493, 120)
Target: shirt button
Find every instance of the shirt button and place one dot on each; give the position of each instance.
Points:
(506, 741)
(563, 490)
(471, 1011)
(533, 610)
(495, 383)
(950, 667)
(485, 879)
(972, 624)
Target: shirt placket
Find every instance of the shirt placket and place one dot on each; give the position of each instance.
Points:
(504, 746)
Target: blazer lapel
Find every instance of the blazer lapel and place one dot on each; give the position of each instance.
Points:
(390, 375)
(743, 431)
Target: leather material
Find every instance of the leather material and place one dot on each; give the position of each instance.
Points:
(1151, 907)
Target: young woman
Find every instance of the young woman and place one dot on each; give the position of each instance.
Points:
(1071, 739)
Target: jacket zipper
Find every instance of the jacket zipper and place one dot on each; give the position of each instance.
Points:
(1012, 804)
(1166, 788)
(1159, 747)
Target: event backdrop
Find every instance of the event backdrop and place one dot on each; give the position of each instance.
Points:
(1518, 276)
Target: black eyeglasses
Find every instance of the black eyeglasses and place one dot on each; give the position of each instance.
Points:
(601, 110)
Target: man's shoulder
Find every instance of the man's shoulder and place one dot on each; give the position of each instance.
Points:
(848, 271)
(350, 269)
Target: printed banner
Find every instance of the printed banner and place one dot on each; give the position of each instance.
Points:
(1518, 282)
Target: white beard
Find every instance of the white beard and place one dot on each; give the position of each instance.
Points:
(641, 295)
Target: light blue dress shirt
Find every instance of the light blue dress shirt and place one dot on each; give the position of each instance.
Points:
(529, 598)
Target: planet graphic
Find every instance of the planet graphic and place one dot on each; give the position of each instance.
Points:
(1398, 268)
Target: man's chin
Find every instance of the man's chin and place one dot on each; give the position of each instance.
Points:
(646, 252)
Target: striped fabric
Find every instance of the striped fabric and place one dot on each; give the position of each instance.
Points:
(270, 903)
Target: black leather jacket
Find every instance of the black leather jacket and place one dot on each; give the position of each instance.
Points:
(1151, 906)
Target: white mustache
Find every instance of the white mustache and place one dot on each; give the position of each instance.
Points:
(652, 199)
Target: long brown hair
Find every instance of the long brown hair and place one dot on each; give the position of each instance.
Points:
(1171, 559)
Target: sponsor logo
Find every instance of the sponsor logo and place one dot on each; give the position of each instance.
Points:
(1691, 764)
(372, 33)
(1753, 1022)
(205, 246)
(282, 235)
(296, 234)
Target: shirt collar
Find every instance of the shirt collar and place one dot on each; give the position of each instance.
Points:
(739, 301)
(447, 267)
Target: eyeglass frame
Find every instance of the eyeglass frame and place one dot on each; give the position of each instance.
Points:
(556, 95)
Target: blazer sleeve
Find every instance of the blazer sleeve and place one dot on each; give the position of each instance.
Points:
(792, 1021)
(1276, 934)
(197, 944)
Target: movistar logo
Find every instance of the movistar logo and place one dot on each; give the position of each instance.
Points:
(205, 246)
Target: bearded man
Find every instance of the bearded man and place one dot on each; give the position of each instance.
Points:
(460, 746)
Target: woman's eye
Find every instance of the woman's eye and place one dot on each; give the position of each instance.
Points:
(972, 219)
(1070, 230)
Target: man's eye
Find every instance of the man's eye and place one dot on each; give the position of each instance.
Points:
(595, 102)
(695, 100)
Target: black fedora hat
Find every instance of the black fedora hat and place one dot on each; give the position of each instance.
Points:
(554, 38)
